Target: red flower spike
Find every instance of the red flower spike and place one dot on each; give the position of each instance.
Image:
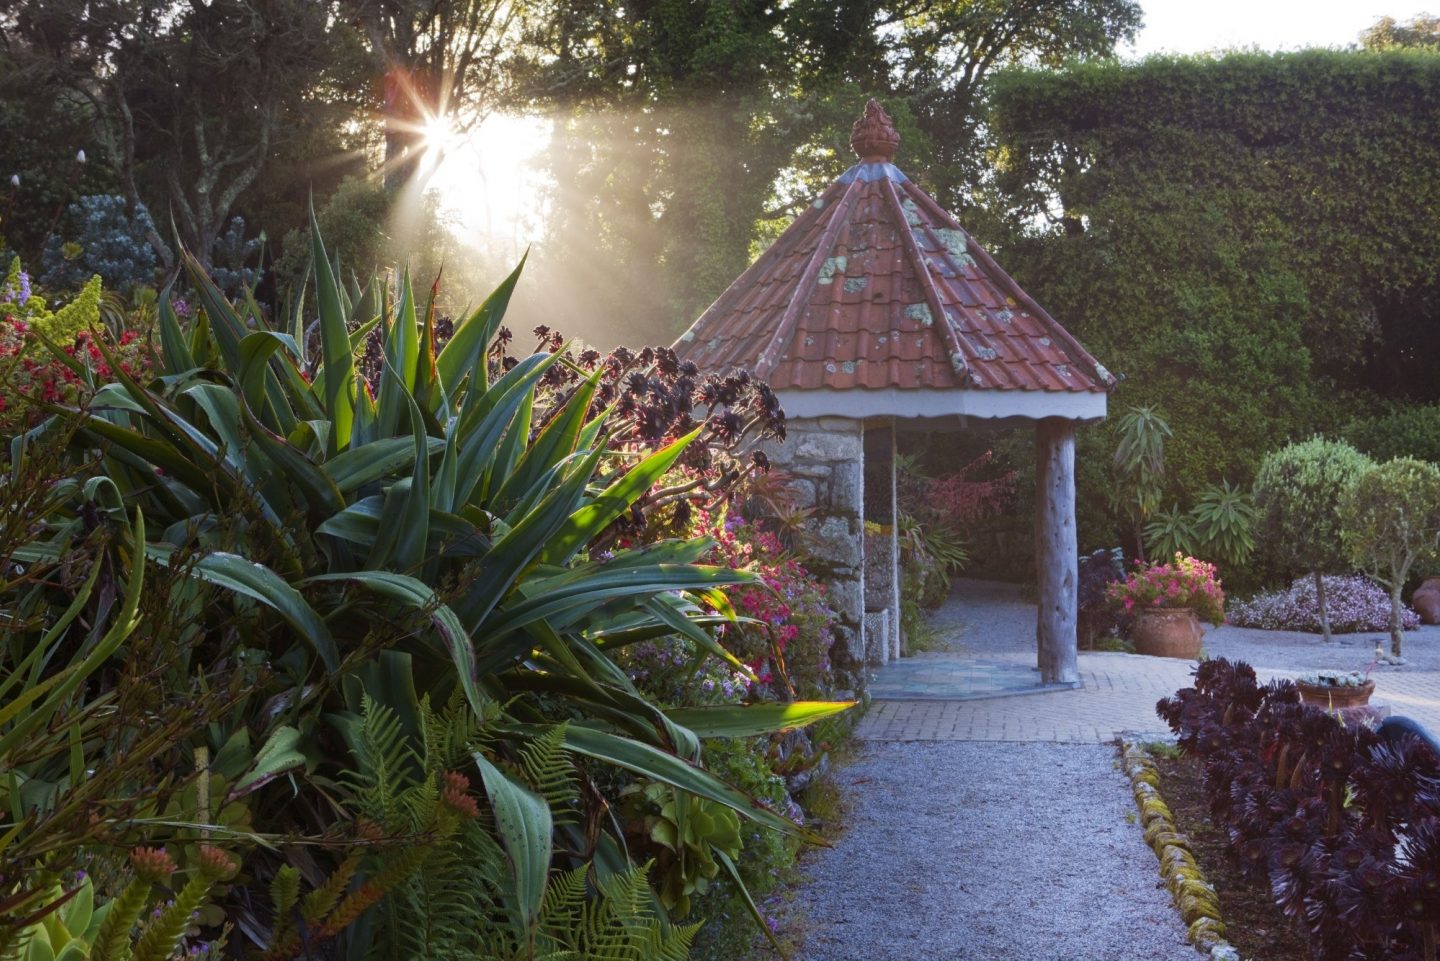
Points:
(152, 864)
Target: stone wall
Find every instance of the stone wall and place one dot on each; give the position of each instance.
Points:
(826, 457)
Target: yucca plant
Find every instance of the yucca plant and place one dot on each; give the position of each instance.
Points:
(445, 514)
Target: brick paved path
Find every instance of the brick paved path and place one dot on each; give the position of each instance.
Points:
(1119, 694)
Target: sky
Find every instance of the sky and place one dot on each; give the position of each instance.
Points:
(1187, 26)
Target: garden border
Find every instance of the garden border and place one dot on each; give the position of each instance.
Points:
(1192, 894)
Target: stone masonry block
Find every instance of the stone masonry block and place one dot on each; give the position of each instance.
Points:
(803, 489)
(837, 542)
(818, 470)
(847, 487)
(877, 637)
(849, 647)
(846, 598)
(829, 446)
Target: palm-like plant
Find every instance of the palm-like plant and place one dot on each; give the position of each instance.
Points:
(445, 515)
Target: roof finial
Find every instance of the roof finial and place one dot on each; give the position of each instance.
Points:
(874, 137)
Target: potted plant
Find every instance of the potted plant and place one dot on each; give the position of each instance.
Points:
(1336, 690)
(1168, 601)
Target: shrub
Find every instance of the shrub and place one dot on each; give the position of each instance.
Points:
(1184, 582)
(1353, 603)
(1097, 571)
(1390, 519)
(232, 252)
(1224, 519)
(676, 672)
(796, 623)
(1298, 491)
(105, 239)
(31, 376)
(1403, 432)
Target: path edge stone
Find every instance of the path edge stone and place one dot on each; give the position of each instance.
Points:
(1194, 897)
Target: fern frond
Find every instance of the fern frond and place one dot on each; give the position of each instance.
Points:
(384, 762)
(547, 767)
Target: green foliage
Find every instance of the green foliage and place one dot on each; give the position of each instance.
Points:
(1420, 31)
(353, 219)
(691, 835)
(1224, 520)
(108, 242)
(1243, 236)
(615, 923)
(1139, 467)
(1390, 520)
(1171, 532)
(1406, 431)
(82, 928)
(1298, 491)
(690, 130)
(424, 534)
(81, 313)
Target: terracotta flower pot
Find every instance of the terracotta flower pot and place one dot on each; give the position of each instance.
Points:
(1335, 698)
(1167, 632)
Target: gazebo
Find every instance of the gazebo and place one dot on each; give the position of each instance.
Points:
(873, 311)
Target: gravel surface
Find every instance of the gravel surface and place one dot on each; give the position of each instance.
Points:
(963, 851)
(986, 617)
(995, 618)
(1298, 651)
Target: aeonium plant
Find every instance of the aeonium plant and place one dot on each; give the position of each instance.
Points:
(1183, 582)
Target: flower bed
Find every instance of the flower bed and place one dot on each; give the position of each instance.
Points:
(1342, 826)
(1354, 603)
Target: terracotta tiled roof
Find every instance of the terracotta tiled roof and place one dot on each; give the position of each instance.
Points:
(876, 286)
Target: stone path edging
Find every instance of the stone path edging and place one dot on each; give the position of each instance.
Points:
(1194, 896)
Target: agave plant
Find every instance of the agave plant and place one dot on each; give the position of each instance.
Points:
(445, 515)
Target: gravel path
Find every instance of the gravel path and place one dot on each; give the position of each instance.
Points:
(1298, 651)
(963, 851)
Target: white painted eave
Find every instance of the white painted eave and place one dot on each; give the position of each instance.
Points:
(931, 404)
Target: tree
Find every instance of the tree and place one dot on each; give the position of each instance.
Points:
(1139, 465)
(1390, 520)
(435, 64)
(1299, 489)
(190, 101)
(1421, 31)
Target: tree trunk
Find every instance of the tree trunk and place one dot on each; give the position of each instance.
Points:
(1320, 603)
(1056, 552)
(1396, 621)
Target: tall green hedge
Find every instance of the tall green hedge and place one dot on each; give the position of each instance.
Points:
(1253, 239)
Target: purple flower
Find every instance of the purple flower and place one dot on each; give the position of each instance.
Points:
(1353, 602)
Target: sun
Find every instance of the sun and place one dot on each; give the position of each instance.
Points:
(491, 177)
(438, 136)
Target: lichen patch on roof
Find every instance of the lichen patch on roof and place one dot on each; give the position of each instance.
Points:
(876, 286)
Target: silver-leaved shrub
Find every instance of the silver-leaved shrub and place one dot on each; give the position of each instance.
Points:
(1355, 603)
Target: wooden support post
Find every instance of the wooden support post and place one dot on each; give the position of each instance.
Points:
(899, 646)
(1056, 551)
